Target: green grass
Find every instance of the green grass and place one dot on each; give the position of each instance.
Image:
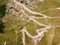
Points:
(13, 23)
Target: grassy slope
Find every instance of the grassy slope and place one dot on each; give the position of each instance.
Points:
(12, 24)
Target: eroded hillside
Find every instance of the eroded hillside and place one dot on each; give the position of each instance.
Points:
(30, 22)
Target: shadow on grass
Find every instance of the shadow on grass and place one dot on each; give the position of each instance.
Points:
(2, 14)
(1, 27)
(2, 10)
